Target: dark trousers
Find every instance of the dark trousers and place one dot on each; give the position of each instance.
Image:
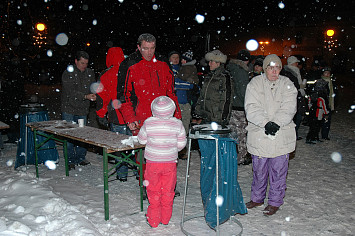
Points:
(76, 154)
(326, 126)
(298, 120)
(314, 126)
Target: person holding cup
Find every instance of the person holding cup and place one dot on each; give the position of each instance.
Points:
(75, 101)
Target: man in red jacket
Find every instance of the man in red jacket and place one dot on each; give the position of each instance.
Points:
(145, 77)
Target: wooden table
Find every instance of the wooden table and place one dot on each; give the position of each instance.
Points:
(110, 142)
(3, 125)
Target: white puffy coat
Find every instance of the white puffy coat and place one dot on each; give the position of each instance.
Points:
(270, 101)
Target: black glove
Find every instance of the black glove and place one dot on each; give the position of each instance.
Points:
(103, 121)
(271, 128)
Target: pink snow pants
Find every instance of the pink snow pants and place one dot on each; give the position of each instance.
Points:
(160, 181)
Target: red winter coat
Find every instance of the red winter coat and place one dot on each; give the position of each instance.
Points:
(145, 81)
(107, 98)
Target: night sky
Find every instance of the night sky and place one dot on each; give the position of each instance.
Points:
(104, 24)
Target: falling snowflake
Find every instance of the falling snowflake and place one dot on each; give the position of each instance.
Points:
(145, 183)
(51, 165)
(70, 68)
(219, 200)
(199, 18)
(61, 39)
(252, 45)
(50, 53)
(214, 126)
(336, 157)
(9, 162)
(281, 5)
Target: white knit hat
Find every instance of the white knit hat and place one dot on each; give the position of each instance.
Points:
(216, 56)
(271, 58)
(163, 107)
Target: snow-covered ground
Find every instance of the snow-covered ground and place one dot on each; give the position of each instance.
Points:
(319, 198)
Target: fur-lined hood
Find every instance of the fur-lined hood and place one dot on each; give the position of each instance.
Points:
(238, 63)
(217, 56)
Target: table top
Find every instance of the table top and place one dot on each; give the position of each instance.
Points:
(87, 134)
(3, 125)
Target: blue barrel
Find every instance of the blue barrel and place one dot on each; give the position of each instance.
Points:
(229, 192)
(25, 147)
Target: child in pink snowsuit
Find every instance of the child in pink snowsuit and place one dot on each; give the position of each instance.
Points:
(164, 136)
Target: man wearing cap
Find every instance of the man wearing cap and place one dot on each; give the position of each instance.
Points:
(240, 75)
(185, 79)
(292, 71)
(270, 104)
(257, 68)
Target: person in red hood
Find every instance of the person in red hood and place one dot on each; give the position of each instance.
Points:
(145, 78)
(107, 103)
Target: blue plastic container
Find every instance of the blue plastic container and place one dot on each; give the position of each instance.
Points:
(25, 147)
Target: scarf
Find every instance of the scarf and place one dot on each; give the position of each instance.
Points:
(331, 91)
(296, 71)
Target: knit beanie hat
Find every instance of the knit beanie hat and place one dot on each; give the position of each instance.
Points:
(271, 60)
(243, 55)
(258, 62)
(187, 56)
(216, 56)
(173, 52)
(291, 60)
(327, 69)
(163, 107)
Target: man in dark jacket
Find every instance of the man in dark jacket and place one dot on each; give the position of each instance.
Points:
(75, 102)
(240, 74)
(292, 72)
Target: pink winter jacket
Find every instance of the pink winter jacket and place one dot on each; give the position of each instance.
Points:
(163, 134)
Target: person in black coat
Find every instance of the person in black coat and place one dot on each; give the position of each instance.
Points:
(301, 104)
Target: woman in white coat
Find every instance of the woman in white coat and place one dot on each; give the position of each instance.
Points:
(270, 105)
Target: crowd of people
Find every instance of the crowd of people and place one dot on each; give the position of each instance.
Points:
(158, 98)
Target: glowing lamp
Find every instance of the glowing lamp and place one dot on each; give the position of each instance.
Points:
(330, 33)
(40, 27)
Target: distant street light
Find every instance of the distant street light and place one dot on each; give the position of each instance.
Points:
(263, 44)
(329, 41)
(330, 32)
(40, 27)
(40, 37)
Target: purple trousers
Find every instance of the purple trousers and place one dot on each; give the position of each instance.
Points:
(274, 170)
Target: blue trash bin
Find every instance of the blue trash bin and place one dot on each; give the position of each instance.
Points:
(25, 147)
(229, 192)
